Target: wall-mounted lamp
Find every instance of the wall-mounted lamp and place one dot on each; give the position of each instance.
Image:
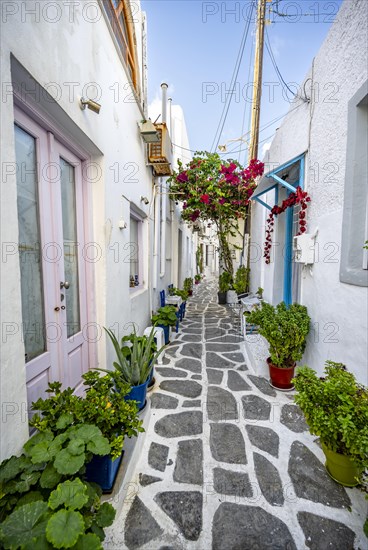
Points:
(144, 200)
(92, 105)
(149, 132)
(122, 224)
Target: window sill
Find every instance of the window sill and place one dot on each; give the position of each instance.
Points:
(137, 291)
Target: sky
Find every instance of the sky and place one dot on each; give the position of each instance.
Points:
(193, 45)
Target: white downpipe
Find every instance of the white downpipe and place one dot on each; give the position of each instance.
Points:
(156, 237)
(163, 229)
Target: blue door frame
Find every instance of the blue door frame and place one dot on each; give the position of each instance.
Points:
(288, 256)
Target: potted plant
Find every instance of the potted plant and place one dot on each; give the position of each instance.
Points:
(197, 278)
(286, 329)
(335, 407)
(126, 347)
(134, 364)
(165, 318)
(104, 406)
(184, 296)
(225, 280)
(45, 502)
(259, 293)
(188, 285)
(241, 281)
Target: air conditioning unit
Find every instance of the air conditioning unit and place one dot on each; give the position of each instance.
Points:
(160, 153)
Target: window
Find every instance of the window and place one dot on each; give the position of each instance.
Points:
(353, 267)
(121, 21)
(134, 239)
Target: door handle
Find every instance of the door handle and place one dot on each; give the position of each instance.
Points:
(64, 284)
(56, 308)
(62, 307)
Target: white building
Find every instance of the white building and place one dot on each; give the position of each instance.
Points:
(81, 207)
(322, 145)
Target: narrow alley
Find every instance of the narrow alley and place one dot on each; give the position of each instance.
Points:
(228, 461)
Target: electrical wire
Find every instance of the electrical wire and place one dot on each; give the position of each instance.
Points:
(273, 60)
(228, 100)
(245, 103)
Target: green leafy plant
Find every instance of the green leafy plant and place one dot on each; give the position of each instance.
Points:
(259, 292)
(103, 405)
(182, 293)
(199, 259)
(225, 281)
(241, 282)
(134, 361)
(285, 328)
(188, 284)
(335, 407)
(43, 501)
(197, 278)
(165, 316)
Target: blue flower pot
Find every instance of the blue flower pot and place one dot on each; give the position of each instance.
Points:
(103, 470)
(138, 393)
(166, 333)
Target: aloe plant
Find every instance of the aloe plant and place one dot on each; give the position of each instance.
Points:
(134, 366)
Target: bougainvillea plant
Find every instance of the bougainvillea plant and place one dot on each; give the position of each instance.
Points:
(299, 197)
(218, 191)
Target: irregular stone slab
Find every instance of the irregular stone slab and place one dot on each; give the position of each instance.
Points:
(311, 481)
(191, 338)
(221, 405)
(140, 526)
(239, 527)
(194, 403)
(189, 462)
(237, 357)
(263, 385)
(166, 361)
(227, 482)
(229, 339)
(185, 509)
(269, 480)
(145, 479)
(214, 376)
(221, 347)
(242, 367)
(293, 418)
(180, 424)
(227, 444)
(187, 388)
(171, 350)
(255, 408)
(157, 456)
(196, 377)
(192, 350)
(264, 438)
(325, 534)
(162, 401)
(213, 360)
(236, 382)
(215, 332)
(193, 365)
(171, 373)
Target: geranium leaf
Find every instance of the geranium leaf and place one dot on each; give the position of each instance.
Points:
(99, 446)
(64, 420)
(87, 432)
(64, 528)
(40, 452)
(88, 542)
(49, 477)
(71, 494)
(67, 464)
(24, 524)
(26, 481)
(32, 496)
(76, 446)
(105, 515)
(10, 468)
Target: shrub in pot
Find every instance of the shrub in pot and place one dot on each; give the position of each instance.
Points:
(188, 285)
(335, 407)
(44, 502)
(184, 296)
(286, 329)
(241, 282)
(165, 318)
(135, 360)
(197, 278)
(225, 281)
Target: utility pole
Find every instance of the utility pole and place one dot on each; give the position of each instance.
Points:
(257, 81)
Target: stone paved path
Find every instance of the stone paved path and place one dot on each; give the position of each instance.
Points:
(228, 463)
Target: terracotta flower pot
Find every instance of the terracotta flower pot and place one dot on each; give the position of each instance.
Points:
(341, 467)
(281, 377)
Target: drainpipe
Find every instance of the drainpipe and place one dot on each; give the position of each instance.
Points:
(164, 88)
(170, 117)
(163, 229)
(156, 238)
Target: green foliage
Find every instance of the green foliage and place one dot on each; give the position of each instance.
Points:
(43, 501)
(165, 316)
(188, 284)
(103, 408)
(241, 282)
(336, 409)
(365, 245)
(197, 277)
(285, 329)
(199, 259)
(135, 359)
(182, 293)
(225, 281)
(259, 292)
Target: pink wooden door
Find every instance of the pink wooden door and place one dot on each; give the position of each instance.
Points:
(51, 241)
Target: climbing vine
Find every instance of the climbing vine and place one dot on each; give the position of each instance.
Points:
(299, 197)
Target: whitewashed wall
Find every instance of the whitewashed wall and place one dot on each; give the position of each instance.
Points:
(338, 311)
